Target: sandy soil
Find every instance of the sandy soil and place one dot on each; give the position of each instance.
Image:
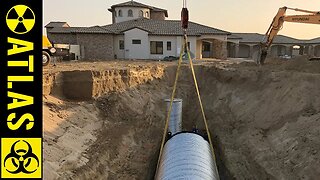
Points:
(69, 129)
(265, 121)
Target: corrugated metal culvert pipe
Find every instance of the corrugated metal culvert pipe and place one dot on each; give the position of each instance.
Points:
(175, 122)
(187, 156)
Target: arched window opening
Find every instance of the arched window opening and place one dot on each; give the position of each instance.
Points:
(130, 13)
(140, 13)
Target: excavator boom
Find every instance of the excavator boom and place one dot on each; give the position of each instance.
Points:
(305, 11)
(309, 19)
(312, 17)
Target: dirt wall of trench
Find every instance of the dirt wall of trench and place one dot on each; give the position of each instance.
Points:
(265, 123)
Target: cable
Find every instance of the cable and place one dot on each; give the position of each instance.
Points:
(184, 3)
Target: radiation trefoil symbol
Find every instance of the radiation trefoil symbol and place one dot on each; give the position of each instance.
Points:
(20, 19)
(21, 160)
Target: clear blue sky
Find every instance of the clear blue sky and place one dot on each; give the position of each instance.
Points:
(229, 15)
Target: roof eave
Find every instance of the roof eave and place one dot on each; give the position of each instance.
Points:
(60, 32)
(250, 42)
(234, 38)
(115, 6)
(222, 33)
(80, 33)
(135, 28)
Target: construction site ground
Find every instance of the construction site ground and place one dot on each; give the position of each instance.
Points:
(104, 120)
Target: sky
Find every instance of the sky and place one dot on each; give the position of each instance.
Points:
(229, 15)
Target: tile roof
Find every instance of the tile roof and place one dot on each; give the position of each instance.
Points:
(163, 27)
(233, 36)
(88, 30)
(314, 41)
(57, 24)
(279, 39)
(249, 37)
(137, 4)
(173, 28)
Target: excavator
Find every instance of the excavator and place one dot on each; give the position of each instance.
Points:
(311, 17)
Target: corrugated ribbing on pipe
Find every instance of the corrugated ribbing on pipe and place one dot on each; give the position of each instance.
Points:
(187, 156)
(175, 122)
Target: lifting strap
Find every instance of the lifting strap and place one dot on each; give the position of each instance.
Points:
(184, 23)
(170, 107)
(185, 45)
(201, 105)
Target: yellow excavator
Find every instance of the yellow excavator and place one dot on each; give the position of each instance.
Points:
(311, 17)
(47, 51)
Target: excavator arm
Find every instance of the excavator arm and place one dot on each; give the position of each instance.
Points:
(312, 17)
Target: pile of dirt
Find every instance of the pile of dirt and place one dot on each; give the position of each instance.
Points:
(265, 124)
(297, 64)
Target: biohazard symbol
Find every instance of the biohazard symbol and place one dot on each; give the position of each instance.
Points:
(23, 160)
(20, 19)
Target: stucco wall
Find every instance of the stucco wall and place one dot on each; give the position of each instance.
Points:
(193, 44)
(199, 49)
(136, 51)
(117, 51)
(135, 11)
(164, 39)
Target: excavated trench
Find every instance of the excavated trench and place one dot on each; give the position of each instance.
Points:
(265, 124)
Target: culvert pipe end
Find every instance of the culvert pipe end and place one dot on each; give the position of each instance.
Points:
(187, 156)
(175, 121)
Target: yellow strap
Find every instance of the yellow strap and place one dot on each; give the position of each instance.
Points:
(201, 106)
(170, 108)
(184, 45)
